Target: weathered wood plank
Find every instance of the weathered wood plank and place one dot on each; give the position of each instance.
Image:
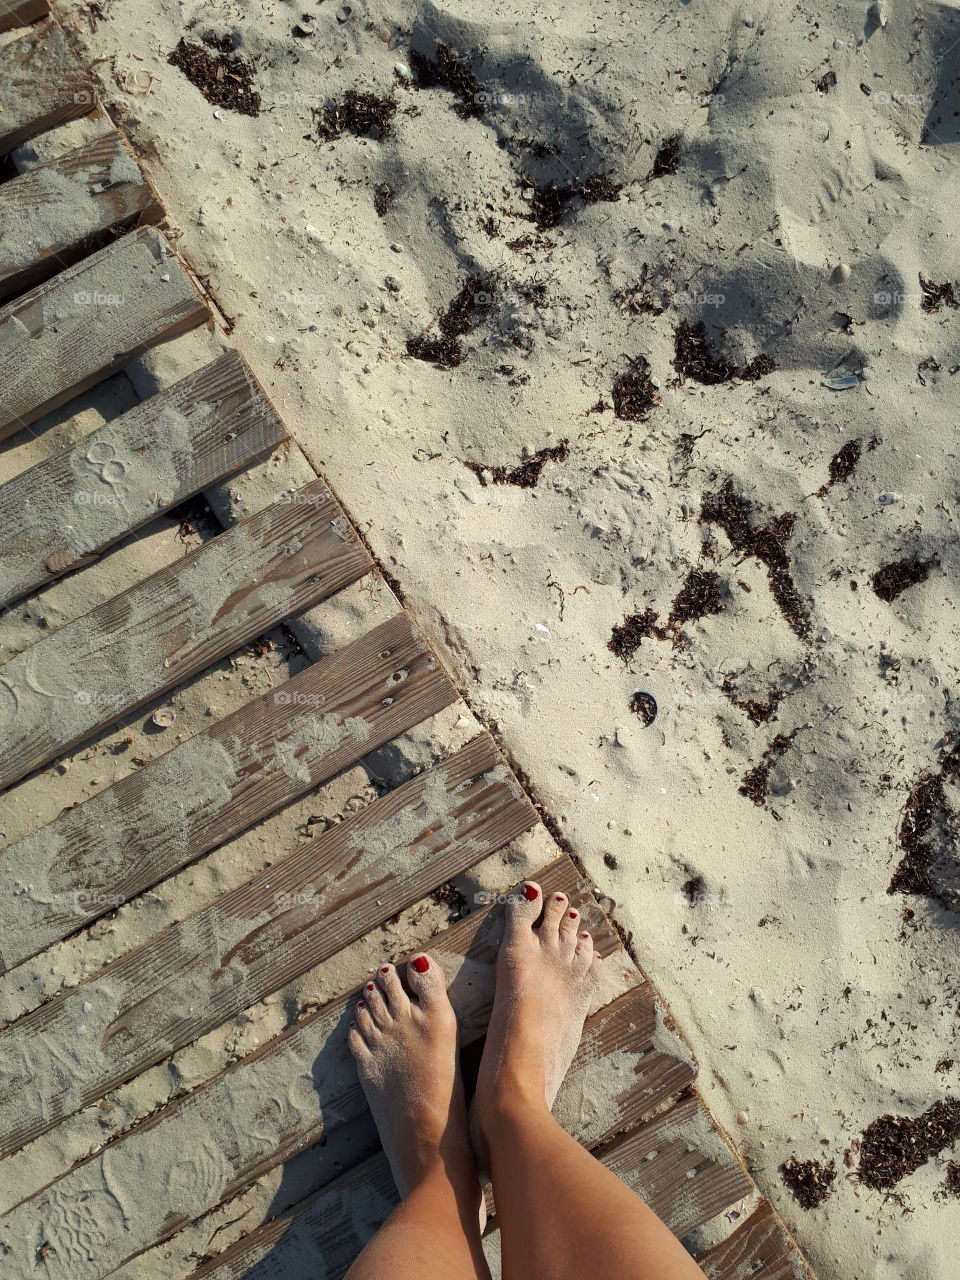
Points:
(681, 1166)
(173, 624)
(18, 13)
(41, 83)
(58, 212)
(198, 973)
(88, 321)
(130, 836)
(67, 510)
(759, 1249)
(203, 1149)
(627, 1065)
(616, 1077)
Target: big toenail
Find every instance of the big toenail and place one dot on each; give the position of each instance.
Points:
(529, 892)
(421, 964)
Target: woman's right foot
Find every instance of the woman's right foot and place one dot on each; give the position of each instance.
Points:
(546, 977)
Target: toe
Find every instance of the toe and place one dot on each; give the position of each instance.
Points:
(569, 927)
(585, 952)
(358, 1046)
(366, 1025)
(394, 996)
(522, 910)
(376, 1005)
(427, 981)
(554, 910)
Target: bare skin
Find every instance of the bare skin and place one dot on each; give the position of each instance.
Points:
(577, 1219)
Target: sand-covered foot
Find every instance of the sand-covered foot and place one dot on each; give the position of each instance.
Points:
(546, 977)
(406, 1052)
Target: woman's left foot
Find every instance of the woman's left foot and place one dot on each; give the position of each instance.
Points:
(406, 1052)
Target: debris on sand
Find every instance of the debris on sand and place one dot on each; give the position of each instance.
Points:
(527, 474)
(766, 543)
(927, 836)
(755, 784)
(223, 77)
(811, 1181)
(893, 579)
(448, 71)
(697, 598)
(645, 706)
(634, 392)
(667, 158)
(826, 82)
(936, 295)
(894, 1146)
(693, 359)
(757, 712)
(549, 201)
(843, 464)
(626, 636)
(356, 112)
(461, 317)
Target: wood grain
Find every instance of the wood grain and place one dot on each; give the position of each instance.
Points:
(277, 747)
(759, 1249)
(69, 509)
(58, 212)
(265, 933)
(76, 329)
(41, 82)
(302, 1087)
(18, 13)
(175, 623)
(681, 1166)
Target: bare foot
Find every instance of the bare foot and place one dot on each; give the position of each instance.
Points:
(406, 1052)
(546, 977)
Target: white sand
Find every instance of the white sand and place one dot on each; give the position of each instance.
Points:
(809, 1004)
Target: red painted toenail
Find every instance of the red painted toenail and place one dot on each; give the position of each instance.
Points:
(559, 898)
(385, 969)
(584, 935)
(529, 892)
(361, 1004)
(421, 964)
(370, 986)
(573, 915)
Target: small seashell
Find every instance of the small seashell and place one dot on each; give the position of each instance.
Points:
(742, 1117)
(163, 717)
(841, 273)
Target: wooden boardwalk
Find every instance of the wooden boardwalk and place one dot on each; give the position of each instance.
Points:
(97, 286)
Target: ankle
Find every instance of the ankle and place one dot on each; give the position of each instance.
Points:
(511, 1106)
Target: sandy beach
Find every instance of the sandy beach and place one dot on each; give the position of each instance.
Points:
(627, 335)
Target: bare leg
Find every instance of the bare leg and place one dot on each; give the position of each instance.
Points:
(406, 1051)
(562, 1214)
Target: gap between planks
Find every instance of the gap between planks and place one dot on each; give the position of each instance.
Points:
(200, 972)
(275, 748)
(67, 510)
(309, 1075)
(172, 625)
